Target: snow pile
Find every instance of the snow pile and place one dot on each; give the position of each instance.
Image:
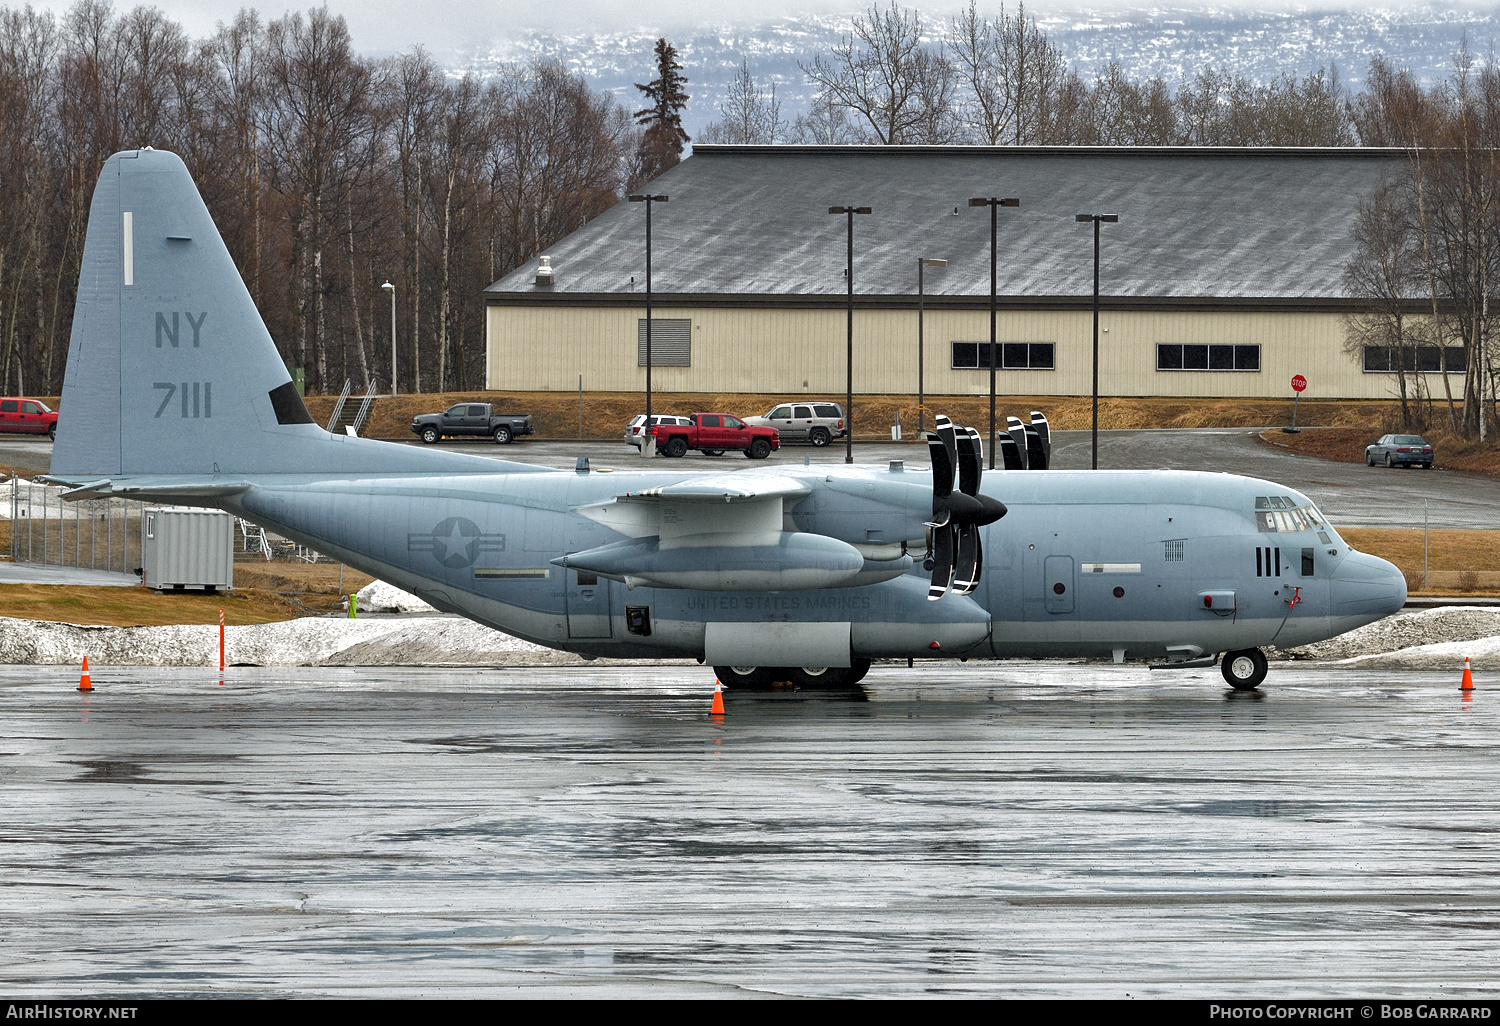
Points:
(303, 642)
(1484, 654)
(310, 641)
(379, 597)
(438, 641)
(1420, 628)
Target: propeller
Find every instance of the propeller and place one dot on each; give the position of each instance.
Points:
(957, 515)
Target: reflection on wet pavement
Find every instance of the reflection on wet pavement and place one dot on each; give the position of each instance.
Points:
(1019, 829)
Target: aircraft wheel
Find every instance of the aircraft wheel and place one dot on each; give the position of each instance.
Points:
(857, 671)
(819, 678)
(745, 678)
(1245, 669)
(430, 435)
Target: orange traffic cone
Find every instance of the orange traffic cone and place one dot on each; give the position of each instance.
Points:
(718, 707)
(84, 683)
(1468, 684)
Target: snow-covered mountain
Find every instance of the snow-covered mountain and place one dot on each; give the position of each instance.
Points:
(1169, 41)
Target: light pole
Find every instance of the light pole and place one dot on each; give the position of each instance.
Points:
(994, 203)
(392, 290)
(648, 199)
(922, 264)
(849, 353)
(1082, 219)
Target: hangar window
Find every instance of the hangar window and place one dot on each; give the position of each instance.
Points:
(1175, 357)
(1013, 356)
(1426, 359)
(671, 342)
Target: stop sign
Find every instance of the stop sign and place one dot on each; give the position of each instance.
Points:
(1298, 383)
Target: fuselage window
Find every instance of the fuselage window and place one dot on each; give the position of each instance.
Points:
(1307, 562)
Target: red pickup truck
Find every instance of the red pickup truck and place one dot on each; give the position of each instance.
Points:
(27, 417)
(715, 434)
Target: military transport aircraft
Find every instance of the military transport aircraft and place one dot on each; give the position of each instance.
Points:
(175, 393)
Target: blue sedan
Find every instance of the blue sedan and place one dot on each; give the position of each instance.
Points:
(1399, 451)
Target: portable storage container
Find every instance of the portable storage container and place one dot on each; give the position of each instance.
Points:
(183, 548)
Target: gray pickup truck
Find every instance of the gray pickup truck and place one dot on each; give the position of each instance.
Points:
(471, 419)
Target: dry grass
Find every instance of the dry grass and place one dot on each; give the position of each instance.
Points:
(263, 593)
(1458, 561)
(140, 607)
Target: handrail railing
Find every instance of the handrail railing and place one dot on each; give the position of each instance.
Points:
(338, 409)
(364, 407)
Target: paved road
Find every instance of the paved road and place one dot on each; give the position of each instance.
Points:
(1350, 494)
(1005, 829)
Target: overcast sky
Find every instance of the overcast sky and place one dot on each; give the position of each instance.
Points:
(384, 26)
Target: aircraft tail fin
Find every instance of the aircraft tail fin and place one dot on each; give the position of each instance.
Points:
(171, 370)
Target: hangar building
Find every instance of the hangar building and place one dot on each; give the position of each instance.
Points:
(1223, 277)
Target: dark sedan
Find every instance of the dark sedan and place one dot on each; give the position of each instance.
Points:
(1400, 451)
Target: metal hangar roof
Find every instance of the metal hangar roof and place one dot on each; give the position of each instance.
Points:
(749, 225)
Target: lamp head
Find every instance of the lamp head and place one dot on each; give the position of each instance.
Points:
(389, 287)
(934, 262)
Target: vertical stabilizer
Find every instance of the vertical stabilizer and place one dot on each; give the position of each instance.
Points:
(170, 369)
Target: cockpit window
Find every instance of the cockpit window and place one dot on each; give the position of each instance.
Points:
(1281, 514)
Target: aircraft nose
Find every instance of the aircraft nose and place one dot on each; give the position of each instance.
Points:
(1366, 585)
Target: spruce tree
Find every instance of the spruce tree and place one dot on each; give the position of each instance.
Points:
(662, 144)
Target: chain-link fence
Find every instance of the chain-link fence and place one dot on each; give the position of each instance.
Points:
(98, 534)
(104, 534)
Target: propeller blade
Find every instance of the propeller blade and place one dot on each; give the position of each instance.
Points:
(1017, 432)
(942, 562)
(1044, 431)
(969, 466)
(966, 570)
(1036, 456)
(942, 468)
(948, 434)
(1010, 453)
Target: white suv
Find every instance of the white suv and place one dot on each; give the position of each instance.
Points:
(815, 422)
(635, 431)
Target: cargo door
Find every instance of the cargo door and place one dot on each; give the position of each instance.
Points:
(588, 605)
(1058, 583)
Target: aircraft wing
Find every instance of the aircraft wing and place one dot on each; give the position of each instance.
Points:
(724, 488)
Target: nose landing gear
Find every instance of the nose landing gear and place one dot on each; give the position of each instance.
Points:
(1244, 669)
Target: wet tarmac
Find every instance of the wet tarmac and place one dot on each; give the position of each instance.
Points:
(1015, 829)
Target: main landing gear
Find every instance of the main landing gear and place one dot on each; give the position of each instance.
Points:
(1244, 669)
(807, 678)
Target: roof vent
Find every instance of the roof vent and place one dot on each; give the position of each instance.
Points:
(544, 270)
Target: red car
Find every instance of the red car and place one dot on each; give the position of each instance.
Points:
(28, 417)
(715, 434)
